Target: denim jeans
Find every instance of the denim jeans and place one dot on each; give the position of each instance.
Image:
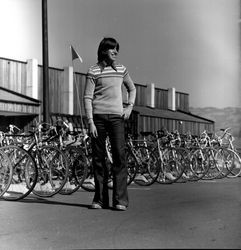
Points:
(113, 125)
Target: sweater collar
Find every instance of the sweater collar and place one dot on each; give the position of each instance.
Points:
(104, 64)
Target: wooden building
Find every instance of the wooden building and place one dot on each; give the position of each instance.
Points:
(154, 107)
(17, 109)
(17, 105)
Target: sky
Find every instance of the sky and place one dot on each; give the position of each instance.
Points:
(191, 45)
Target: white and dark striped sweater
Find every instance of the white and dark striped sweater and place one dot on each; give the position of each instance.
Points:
(103, 90)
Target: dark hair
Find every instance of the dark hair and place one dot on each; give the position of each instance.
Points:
(106, 44)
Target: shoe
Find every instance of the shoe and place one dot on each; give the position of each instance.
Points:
(90, 181)
(89, 184)
(142, 178)
(170, 176)
(185, 176)
(95, 206)
(120, 207)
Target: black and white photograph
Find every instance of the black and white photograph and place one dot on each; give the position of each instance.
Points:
(120, 124)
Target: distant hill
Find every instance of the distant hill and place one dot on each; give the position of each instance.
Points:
(223, 118)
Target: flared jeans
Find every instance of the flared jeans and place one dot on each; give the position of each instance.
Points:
(113, 126)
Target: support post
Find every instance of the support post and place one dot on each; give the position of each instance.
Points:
(150, 95)
(46, 112)
(68, 91)
(32, 78)
(172, 99)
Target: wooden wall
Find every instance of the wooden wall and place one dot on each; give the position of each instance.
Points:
(150, 123)
(13, 75)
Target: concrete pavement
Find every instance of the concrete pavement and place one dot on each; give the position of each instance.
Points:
(182, 215)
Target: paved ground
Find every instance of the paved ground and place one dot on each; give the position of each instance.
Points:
(184, 215)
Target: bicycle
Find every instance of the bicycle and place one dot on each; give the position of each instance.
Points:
(52, 163)
(232, 161)
(24, 170)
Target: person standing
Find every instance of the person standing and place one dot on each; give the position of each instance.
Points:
(105, 114)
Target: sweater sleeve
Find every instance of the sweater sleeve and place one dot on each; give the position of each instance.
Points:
(130, 86)
(88, 95)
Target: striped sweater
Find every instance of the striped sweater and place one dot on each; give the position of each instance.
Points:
(103, 90)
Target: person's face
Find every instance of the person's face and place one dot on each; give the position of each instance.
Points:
(112, 54)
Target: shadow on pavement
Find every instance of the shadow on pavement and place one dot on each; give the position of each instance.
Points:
(45, 201)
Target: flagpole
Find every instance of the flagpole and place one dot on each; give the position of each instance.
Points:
(77, 91)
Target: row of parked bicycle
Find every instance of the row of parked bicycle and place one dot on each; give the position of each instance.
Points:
(51, 159)
(167, 158)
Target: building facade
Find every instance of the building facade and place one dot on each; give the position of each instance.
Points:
(154, 107)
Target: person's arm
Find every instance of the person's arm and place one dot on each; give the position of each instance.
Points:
(88, 98)
(131, 89)
(88, 95)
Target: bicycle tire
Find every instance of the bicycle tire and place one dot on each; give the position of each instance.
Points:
(232, 165)
(77, 169)
(6, 172)
(200, 166)
(189, 171)
(162, 177)
(25, 173)
(53, 170)
(174, 163)
(148, 166)
(89, 184)
(132, 166)
(216, 165)
(236, 171)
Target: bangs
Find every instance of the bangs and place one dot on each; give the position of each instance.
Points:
(111, 44)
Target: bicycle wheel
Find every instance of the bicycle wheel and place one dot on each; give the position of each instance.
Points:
(77, 169)
(6, 172)
(53, 170)
(163, 177)
(236, 172)
(89, 183)
(232, 163)
(148, 166)
(132, 166)
(174, 162)
(190, 170)
(216, 165)
(25, 173)
(200, 163)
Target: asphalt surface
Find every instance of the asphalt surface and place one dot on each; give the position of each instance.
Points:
(204, 214)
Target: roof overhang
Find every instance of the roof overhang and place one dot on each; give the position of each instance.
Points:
(16, 104)
(14, 114)
(9, 96)
(169, 114)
